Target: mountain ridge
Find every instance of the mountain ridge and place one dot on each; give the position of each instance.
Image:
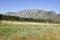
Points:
(35, 14)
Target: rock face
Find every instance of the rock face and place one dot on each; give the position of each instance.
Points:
(36, 14)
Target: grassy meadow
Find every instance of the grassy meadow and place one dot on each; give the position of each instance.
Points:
(29, 31)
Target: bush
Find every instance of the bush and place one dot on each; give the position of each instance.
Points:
(14, 18)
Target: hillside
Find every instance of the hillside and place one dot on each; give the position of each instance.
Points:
(36, 14)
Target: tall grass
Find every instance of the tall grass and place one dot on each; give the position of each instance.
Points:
(29, 32)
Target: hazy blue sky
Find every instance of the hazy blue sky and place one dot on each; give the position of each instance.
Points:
(16, 5)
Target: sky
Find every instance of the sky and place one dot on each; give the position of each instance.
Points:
(17, 5)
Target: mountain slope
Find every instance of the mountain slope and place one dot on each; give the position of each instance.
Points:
(36, 14)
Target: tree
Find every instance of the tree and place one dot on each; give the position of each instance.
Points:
(0, 17)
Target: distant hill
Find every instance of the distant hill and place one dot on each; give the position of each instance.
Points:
(36, 14)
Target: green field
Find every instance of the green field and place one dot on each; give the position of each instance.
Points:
(29, 32)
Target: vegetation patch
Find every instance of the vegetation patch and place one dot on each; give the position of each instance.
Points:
(29, 32)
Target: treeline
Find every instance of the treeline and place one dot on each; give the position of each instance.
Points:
(14, 18)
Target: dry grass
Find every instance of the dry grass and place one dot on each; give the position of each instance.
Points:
(27, 23)
(54, 35)
(29, 31)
